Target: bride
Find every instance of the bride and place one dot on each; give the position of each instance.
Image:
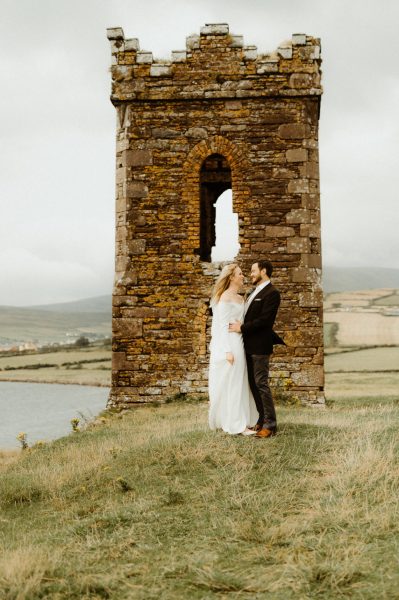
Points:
(232, 407)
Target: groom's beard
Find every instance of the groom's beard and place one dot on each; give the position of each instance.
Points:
(256, 280)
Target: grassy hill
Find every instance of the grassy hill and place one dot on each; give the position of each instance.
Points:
(57, 322)
(152, 504)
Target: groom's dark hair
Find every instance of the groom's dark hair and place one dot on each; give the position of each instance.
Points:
(267, 265)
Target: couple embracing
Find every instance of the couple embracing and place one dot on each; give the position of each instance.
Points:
(241, 345)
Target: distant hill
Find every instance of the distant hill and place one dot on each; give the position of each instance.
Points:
(337, 279)
(62, 322)
(99, 304)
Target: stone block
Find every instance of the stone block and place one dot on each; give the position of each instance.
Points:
(164, 132)
(152, 391)
(298, 245)
(309, 376)
(120, 233)
(235, 127)
(310, 230)
(193, 42)
(293, 131)
(129, 278)
(197, 132)
(120, 206)
(233, 104)
(285, 51)
(298, 186)
(310, 52)
(137, 247)
(137, 158)
(237, 41)
(283, 173)
(266, 67)
(298, 215)
(305, 275)
(215, 29)
(300, 81)
(132, 44)
(160, 70)
(115, 33)
(179, 56)
(312, 261)
(127, 328)
(144, 57)
(120, 175)
(296, 155)
(311, 170)
(136, 189)
(273, 231)
(315, 217)
(244, 85)
(262, 247)
(150, 312)
(311, 201)
(119, 361)
(299, 39)
(305, 337)
(250, 52)
(311, 299)
(121, 263)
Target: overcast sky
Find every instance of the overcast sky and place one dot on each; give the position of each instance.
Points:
(57, 128)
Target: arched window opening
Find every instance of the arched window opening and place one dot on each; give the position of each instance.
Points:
(227, 246)
(215, 178)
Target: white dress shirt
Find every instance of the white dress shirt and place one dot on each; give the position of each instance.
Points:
(256, 291)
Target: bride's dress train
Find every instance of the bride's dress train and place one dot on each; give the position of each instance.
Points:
(232, 407)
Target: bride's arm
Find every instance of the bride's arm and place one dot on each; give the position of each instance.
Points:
(224, 309)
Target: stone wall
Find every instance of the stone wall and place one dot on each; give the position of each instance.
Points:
(259, 115)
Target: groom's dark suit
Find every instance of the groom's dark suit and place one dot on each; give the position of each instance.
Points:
(259, 337)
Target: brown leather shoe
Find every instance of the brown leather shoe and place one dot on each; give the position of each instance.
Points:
(265, 433)
(256, 427)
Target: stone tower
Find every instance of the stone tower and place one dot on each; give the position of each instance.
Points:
(217, 116)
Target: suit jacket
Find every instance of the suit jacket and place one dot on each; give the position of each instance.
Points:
(257, 329)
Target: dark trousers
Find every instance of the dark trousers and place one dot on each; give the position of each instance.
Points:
(258, 376)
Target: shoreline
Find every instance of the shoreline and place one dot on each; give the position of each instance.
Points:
(49, 382)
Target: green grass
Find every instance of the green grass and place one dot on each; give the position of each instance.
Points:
(151, 504)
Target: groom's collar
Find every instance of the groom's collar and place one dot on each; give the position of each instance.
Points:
(261, 286)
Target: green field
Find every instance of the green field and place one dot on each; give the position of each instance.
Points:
(151, 504)
(85, 366)
(365, 359)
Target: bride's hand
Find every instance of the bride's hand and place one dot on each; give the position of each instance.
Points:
(230, 357)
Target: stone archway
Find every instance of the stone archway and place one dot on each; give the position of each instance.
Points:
(230, 174)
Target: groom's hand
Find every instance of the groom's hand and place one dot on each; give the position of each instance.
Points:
(235, 327)
(230, 357)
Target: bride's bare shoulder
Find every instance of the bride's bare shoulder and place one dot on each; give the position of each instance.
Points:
(226, 296)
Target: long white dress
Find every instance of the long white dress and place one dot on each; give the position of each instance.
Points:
(232, 407)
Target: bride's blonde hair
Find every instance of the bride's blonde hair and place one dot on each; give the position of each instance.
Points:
(222, 282)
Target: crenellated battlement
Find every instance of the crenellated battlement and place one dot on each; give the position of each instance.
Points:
(215, 64)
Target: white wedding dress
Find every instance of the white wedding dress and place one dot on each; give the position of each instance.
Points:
(232, 407)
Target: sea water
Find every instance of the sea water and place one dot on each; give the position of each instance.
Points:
(44, 411)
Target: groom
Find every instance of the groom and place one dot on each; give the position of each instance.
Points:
(257, 329)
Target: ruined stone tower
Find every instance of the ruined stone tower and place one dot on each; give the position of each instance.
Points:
(217, 116)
